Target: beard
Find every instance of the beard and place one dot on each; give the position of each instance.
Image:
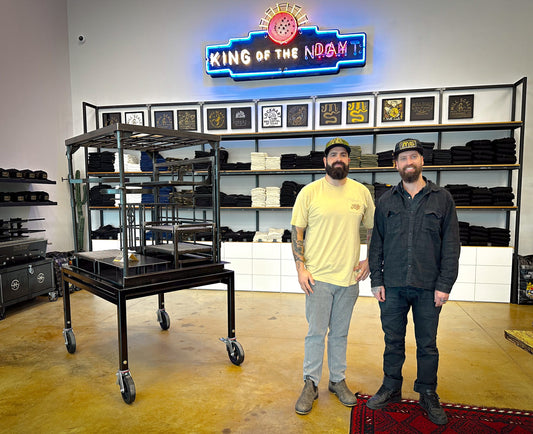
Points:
(337, 171)
(410, 177)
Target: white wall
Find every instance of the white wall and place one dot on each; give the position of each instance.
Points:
(35, 110)
(139, 52)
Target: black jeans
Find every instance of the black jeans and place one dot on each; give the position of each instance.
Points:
(394, 312)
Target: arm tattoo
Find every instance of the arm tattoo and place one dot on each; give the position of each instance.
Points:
(297, 247)
(368, 236)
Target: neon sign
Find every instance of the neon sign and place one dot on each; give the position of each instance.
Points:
(286, 50)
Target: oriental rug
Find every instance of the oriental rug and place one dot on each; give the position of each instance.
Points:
(408, 417)
(522, 338)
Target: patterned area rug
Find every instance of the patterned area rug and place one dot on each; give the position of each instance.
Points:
(408, 417)
(522, 338)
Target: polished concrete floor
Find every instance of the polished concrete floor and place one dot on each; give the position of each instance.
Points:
(186, 383)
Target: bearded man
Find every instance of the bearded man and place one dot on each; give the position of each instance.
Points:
(325, 241)
(414, 261)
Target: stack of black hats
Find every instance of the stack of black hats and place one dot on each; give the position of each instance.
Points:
(442, 157)
(101, 162)
(482, 151)
(428, 152)
(479, 236)
(504, 150)
(97, 198)
(288, 192)
(502, 196)
(385, 158)
(499, 237)
(461, 155)
(461, 193)
(464, 233)
(481, 196)
(380, 189)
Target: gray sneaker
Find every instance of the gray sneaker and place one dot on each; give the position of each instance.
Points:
(346, 397)
(429, 401)
(305, 402)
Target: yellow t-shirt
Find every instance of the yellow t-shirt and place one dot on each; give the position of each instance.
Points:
(331, 216)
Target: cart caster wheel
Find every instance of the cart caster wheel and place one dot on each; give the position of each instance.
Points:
(164, 319)
(70, 341)
(236, 353)
(127, 387)
(52, 296)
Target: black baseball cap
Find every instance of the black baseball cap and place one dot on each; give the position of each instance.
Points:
(408, 145)
(337, 141)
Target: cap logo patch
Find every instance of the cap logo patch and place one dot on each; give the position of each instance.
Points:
(407, 144)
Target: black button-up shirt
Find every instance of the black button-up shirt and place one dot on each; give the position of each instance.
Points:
(415, 241)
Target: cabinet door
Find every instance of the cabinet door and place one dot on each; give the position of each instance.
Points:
(40, 278)
(14, 285)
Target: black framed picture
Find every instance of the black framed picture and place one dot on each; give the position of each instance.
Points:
(330, 113)
(134, 118)
(461, 106)
(272, 116)
(187, 120)
(111, 118)
(422, 108)
(393, 110)
(297, 115)
(217, 119)
(241, 118)
(164, 119)
(357, 111)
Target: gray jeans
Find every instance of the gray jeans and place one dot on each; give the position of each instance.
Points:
(328, 307)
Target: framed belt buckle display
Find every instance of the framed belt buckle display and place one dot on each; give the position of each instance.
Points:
(241, 118)
(111, 118)
(164, 119)
(134, 118)
(330, 113)
(272, 116)
(461, 107)
(297, 115)
(217, 119)
(357, 112)
(187, 120)
(393, 110)
(422, 108)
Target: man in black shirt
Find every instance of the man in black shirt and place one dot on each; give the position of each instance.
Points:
(413, 258)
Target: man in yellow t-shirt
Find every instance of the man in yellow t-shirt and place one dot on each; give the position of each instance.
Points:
(325, 241)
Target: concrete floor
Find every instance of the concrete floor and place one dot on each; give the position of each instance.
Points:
(186, 383)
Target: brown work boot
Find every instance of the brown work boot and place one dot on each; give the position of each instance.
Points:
(305, 402)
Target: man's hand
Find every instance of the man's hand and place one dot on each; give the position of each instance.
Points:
(305, 279)
(362, 270)
(379, 292)
(441, 298)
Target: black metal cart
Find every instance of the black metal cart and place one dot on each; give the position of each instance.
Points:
(161, 250)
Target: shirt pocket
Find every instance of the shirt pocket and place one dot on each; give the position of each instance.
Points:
(393, 222)
(432, 221)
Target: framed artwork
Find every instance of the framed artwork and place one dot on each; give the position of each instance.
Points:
(187, 120)
(111, 118)
(217, 119)
(357, 112)
(461, 107)
(134, 118)
(297, 115)
(330, 113)
(393, 110)
(422, 108)
(241, 118)
(272, 116)
(164, 119)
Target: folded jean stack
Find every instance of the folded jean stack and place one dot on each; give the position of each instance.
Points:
(235, 200)
(288, 161)
(272, 163)
(369, 160)
(131, 163)
(164, 196)
(272, 197)
(380, 189)
(442, 157)
(355, 156)
(97, 198)
(289, 191)
(223, 156)
(314, 160)
(146, 162)
(132, 196)
(461, 155)
(385, 158)
(226, 234)
(504, 150)
(428, 152)
(474, 235)
(107, 232)
(273, 235)
(258, 197)
(101, 162)
(466, 195)
(204, 195)
(482, 151)
(258, 160)
(502, 196)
